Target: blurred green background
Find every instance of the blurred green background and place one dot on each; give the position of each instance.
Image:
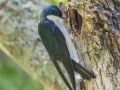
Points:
(12, 77)
(56, 2)
(18, 26)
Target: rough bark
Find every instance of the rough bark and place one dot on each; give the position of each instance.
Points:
(99, 43)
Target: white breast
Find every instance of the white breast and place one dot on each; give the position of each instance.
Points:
(71, 48)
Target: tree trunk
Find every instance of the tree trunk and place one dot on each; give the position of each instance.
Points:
(99, 43)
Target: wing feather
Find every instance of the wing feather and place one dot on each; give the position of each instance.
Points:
(55, 44)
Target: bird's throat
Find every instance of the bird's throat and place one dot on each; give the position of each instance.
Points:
(55, 18)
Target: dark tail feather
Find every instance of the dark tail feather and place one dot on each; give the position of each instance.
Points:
(82, 71)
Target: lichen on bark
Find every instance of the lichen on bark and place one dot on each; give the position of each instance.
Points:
(98, 43)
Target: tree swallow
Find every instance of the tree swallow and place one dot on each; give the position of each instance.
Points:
(59, 45)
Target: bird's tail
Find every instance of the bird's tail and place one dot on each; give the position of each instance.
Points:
(82, 71)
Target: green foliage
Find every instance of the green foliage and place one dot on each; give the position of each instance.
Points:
(13, 77)
(56, 2)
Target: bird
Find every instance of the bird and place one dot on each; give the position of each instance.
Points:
(59, 45)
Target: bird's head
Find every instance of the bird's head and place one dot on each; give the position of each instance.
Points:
(50, 12)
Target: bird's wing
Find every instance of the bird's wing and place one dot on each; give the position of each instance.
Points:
(55, 44)
(63, 54)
